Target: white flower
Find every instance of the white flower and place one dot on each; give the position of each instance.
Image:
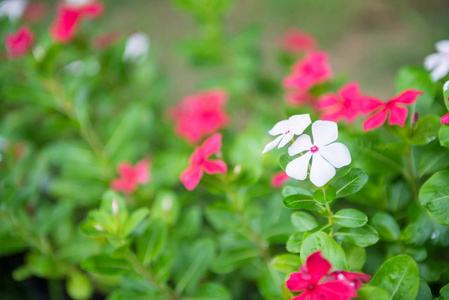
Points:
(286, 129)
(438, 63)
(13, 9)
(325, 156)
(136, 47)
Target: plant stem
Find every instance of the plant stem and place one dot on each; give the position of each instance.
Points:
(413, 179)
(330, 219)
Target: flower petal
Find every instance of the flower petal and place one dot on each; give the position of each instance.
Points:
(442, 46)
(407, 97)
(123, 185)
(433, 60)
(271, 145)
(214, 166)
(279, 127)
(336, 154)
(445, 119)
(370, 104)
(126, 170)
(337, 290)
(317, 266)
(324, 132)
(211, 145)
(279, 179)
(141, 171)
(302, 143)
(191, 177)
(296, 283)
(298, 123)
(321, 171)
(440, 71)
(398, 115)
(297, 168)
(287, 138)
(375, 120)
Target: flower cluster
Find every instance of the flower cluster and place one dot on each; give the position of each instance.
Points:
(315, 281)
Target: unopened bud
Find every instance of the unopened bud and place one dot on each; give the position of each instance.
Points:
(415, 117)
(98, 227)
(114, 207)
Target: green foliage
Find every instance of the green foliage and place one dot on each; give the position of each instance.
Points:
(434, 196)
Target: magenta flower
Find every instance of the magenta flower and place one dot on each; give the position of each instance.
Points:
(279, 179)
(445, 119)
(199, 162)
(296, 41)
(395, 107)
(356, 279)
(69, 17)
(315, 284)
(131, 176)
(200, 115)
(20, 42)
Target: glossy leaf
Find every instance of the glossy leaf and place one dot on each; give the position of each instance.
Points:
(434, 196)
(362, 237)
(351, 218)
(351, 183)
(330, 249)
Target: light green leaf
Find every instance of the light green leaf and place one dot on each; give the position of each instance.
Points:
(434, 196)
(351, 183)
(329, 248)
(351, 218)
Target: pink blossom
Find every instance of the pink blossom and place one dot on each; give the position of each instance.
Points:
(297, 97)
(314, 282)
(199, 162)
(346, 104)
(69, 17)
(131, 176)
(395, 107)
(19, 43)
(35, 12)
(200, 115)
(445, 119)
(296, 41)
(356, 279)
(279, 179)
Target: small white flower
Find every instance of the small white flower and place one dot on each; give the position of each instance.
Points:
(286, 129)
(438, 63)
(325, 156)
(136, 47)
(13, 9)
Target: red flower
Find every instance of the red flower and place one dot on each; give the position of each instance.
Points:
(199, 161)
(296, 41)
(398, 113)
(69, 16)
(200, 115)
(314, 282)
(131, 176)
(344, 105)
(356, 279)
(445, 119)
(279, 179)
(19, 43)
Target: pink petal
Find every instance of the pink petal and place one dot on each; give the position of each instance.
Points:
(126, 171)
(123, 185)
(327, 100)
(407, 97)
(296, 41)
(445, 119)
(279, 179)
(92, 9)
(191, 177)
(375, 120)
(304, 296)
(214, 166)
(211, 145)
(398, 115)
(317, 266)
(141, 171)
(370, 104)
(296, 282)
(337, 290)
(19, 43)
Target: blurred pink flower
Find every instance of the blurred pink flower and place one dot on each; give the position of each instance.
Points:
(297, 97)
(279, 179)
(354, 278)
(346, 104)
(69, 17)
(131, 176)
(313, 282)
(445, 119)
(398, 112)
(35, 12)
(20, 42)
(296, 41)
(105, 40)
(200, 115)
(199, 161)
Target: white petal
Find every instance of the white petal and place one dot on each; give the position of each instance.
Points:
(321, 171)
(299, 123)
(14, 9)
(272, 145)
(432, 61)
(279, 127)
(137, 47)
(301, 144)
(336, 154)
(440, 71)
(297, 168)
(442, 46)
(324, 132)
(287, 138)
(446, 86)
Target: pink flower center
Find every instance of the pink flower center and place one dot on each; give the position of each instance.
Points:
(311, 287)
(287, 132)
(314, 149)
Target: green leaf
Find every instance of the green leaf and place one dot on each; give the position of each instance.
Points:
(106, 265)
(134, 220)
(351, 183)
(444, 292)
(286, 263)
(151, 244)
(210, 291)
(446, 94)
(166, 207)
(443, 135)
(303, 221)
(363, 236)
(190, 222)
(399, 276)
(294, 242)
(426, 130)
(300, 202)
(284, 160)
(269, 283)
(386, 226)
(289, 190)
(356, 257)
(330, 249)
(222, 216)
(424, 292)
(434, 196)
(325, 196)
(78, 286)
(351, 218)
(372, 293)
(230, 260)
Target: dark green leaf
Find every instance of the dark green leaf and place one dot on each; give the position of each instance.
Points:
(434, 196)
(363, 236)
(386, 226)
(106, 265)
(300, 202)
(151, 244)
(351, 183)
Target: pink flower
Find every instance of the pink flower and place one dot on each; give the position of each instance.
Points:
(69, 17)
(35, 12)
(445, 119)
(296, 41)
(105, 40)
(398, 112)
(279, 179)
(297, 97)
(311, 70)
(200, 115)
(344, 105)
(19, 43)
(131, 176)
(199, 161)
(315, 284)
(356, 279)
